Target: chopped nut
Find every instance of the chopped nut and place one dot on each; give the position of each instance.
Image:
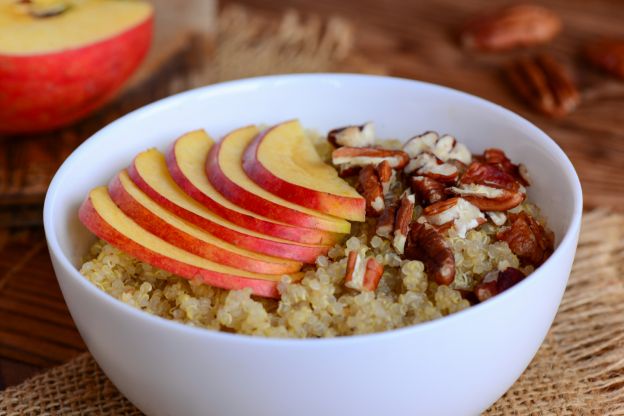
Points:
(429, 191)
(490, 175)
(479, 191)
(362, 273)
(545, 84)
(497, 282)
(426, 164)
(385, 224)
(347, 157)
(607, 54)
(370, 188)
(353, 136)
(527, 239)
(460, 213)
(498, 158)
(497, 217)
(510, 27)
(386, 176)
(402, 222)
(426, 244)
(444, 148)
(489, 187)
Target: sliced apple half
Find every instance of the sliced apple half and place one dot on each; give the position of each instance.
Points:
(186, 160)
(284, 162)
(175, 230)
(149, 172)
(225, 172)
(103, 218)
(62, 59)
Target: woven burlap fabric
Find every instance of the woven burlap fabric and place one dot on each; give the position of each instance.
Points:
(578, 370)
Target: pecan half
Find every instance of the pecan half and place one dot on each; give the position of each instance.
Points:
(370, 188)
(353, 136)
(363, 156)
(428, 191)
(527, 239)
(426, 164)
(426, 244)
(545, 84)
(489, 187)
(362, 273)
(500, 282)
(607, 54)
(458, 212)
(510, 27)
(402, 222)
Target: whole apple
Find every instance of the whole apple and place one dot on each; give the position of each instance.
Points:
(61, 60)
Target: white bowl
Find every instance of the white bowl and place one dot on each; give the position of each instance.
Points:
(458, 365)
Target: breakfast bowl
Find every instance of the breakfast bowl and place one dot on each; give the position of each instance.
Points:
(457, 365)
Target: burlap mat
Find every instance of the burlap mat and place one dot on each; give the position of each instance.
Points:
(578, 370)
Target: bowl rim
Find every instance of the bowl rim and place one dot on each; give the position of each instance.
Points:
(545, 141)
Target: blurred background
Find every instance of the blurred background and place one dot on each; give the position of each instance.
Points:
(559, 63)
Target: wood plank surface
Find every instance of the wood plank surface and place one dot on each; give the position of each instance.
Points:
(413, 39)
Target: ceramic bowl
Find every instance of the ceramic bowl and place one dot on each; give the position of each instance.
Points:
(457, 365)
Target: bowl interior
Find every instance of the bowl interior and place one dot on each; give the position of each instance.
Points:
(399, 108)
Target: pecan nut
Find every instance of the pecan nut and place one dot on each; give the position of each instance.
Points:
(426, 244)
(402, 221)
(510, 27)
(499, 282)
(426, 164)
(428, 191)
(445, 148)
(385, 223)
(353, 136)
(386, 176)
(370, 187)
(458, 212)
(527, 239)
(607, 54)
(362, 273)
(362, 156)
(545, 84)
(498, 158)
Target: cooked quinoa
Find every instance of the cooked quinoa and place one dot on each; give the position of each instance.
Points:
(319, 305)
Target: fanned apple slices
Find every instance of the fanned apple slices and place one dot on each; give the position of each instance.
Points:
(284, 162)
(186, 160)
(149, 172)
(175, 230)
(102, 217)
(226, 174)
(217, 213)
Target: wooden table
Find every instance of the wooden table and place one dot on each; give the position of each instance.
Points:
(412, 39)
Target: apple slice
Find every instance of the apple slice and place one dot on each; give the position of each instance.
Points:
(103, 218)
(284, 162)
(149, 172)
(225, 172)
(173, 229)
(186, 160)
(62, 59)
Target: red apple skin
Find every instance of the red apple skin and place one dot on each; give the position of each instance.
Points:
(340, 206)
(95, 223)
(305, 254)
(284, 231)
(47, 91)
(159, 227)
(252, 202)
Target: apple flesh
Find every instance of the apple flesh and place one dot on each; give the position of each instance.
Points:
(186, 160)
(55, 70)
(226, 174)
(103, 218)
(284, 161)
(149, 172)
(173, 229)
